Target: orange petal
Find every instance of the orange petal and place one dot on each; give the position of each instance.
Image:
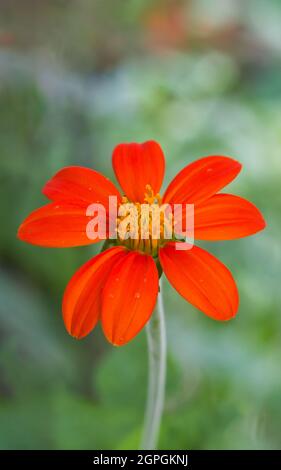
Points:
(138, 165)
(201, 179)
(82, 298)
(78, 184)
(202, 280)
(129, 297)
(225, 217)
(57, 225)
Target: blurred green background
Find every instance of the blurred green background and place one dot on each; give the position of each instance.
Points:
(76, 78)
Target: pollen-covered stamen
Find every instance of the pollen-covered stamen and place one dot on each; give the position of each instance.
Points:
(144, 227)
(150, 197)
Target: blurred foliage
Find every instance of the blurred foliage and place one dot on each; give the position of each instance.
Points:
(76, 78)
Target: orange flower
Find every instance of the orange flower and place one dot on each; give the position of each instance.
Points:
(120, 285)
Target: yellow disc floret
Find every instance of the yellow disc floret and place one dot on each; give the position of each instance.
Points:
(144, 226)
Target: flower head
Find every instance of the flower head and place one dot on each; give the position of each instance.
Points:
(120, 285)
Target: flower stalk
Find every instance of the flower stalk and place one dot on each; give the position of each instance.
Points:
(157, 351)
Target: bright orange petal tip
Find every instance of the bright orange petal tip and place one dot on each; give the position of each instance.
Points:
(129, 297)
(201, 179)
(202, 280)
(80, 185)
(226, 217)
(138, 165)
(82, 298)
(56, 225)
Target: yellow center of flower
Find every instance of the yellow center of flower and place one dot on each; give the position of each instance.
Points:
(144, 226)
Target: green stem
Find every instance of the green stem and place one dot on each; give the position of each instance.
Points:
(156, 340)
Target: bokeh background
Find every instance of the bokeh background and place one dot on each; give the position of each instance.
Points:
(76, 78)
